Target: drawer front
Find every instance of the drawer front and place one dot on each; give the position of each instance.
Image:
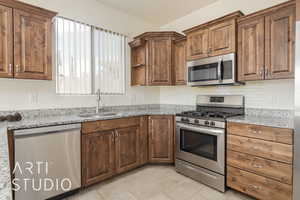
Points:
(279, 135)
(260, 148)
(257, 186)
(272, 169)
(102, 125)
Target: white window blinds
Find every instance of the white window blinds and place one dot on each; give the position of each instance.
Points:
(73, 54)
(109, 54)
(89, 58)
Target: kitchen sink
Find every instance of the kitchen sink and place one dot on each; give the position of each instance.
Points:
(103, 114)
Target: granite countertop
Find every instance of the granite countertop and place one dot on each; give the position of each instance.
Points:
(260, 117)
(265, 117)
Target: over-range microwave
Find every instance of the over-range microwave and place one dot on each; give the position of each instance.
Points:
(219, 70)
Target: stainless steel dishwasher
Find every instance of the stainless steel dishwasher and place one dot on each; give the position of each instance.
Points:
(47, 162)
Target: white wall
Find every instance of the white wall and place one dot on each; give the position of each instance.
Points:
(277, 94)
(32, 94)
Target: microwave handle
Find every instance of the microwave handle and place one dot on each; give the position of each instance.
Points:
(219, 70)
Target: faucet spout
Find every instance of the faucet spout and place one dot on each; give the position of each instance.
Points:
(98, 99)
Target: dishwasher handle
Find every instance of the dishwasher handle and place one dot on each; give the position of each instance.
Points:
(45, 130)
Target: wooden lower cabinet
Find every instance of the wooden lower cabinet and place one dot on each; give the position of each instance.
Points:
(98, 157)
(260, 161)
(161, 139)
(111, 147)
(127, 148)
(257, 186)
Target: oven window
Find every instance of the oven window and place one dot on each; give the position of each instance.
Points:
(203, 72)
(200, 144)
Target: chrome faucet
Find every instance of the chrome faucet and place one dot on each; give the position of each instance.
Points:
(98, 99)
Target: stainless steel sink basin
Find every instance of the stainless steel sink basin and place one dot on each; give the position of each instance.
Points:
(103, 114)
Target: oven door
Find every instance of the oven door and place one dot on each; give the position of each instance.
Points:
(202, 146)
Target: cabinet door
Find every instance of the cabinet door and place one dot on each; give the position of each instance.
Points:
(197, 44)
(161, 144)
(251, 48)
(32, 46)
(280, 43)
(160, 61)
(144, 140)
(180, 63)
(6, 42)
(98, 157)
(127, 149)
(222, 38)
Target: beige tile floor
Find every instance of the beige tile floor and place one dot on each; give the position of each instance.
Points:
(154, 183)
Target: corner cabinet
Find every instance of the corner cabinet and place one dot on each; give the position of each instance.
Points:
(161, 139)
(266, 43)
(26, 39)
(214, 38)
(152, 59)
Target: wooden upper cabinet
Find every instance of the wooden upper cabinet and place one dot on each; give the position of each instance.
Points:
(127, 149)
(251, 46)
(152, 59)
(213, 38)
(98, 160)
(32, 46)
(25, 40)
(266, 46)
(6, 40)
(222, 38)
(180, 62)
(160, 61)
(280, 43)
(197, 44)
(161, 139)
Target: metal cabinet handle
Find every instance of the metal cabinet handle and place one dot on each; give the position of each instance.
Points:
(255, 187)
(18, 69)
(257, 166)
(261, 72)
(255, 131)
(266, 72)
(10, 69)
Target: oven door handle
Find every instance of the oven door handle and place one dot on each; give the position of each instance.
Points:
(220, 70)
(211, 131)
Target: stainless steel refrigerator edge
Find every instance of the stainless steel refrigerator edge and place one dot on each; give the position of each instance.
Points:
(297, 113)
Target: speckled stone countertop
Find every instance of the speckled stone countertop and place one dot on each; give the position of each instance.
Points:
(5, 186)
(264, 117)
(51, 117)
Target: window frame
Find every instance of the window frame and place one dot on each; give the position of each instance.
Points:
(93, 66)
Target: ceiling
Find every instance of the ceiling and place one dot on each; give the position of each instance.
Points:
(158, 12)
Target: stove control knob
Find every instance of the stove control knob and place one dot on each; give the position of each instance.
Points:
(196, 121)
(212, 123)
(206, 123)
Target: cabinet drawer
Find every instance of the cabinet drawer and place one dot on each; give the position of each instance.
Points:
(280, 135)
(90, 127)
(260, 148)
(257, 186)
(271, 169)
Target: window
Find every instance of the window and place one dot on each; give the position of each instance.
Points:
(89, 58)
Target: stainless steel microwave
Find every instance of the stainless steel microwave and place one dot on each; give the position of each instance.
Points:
(219, 70)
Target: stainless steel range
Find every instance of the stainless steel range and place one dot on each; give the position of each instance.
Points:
(200, 138)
